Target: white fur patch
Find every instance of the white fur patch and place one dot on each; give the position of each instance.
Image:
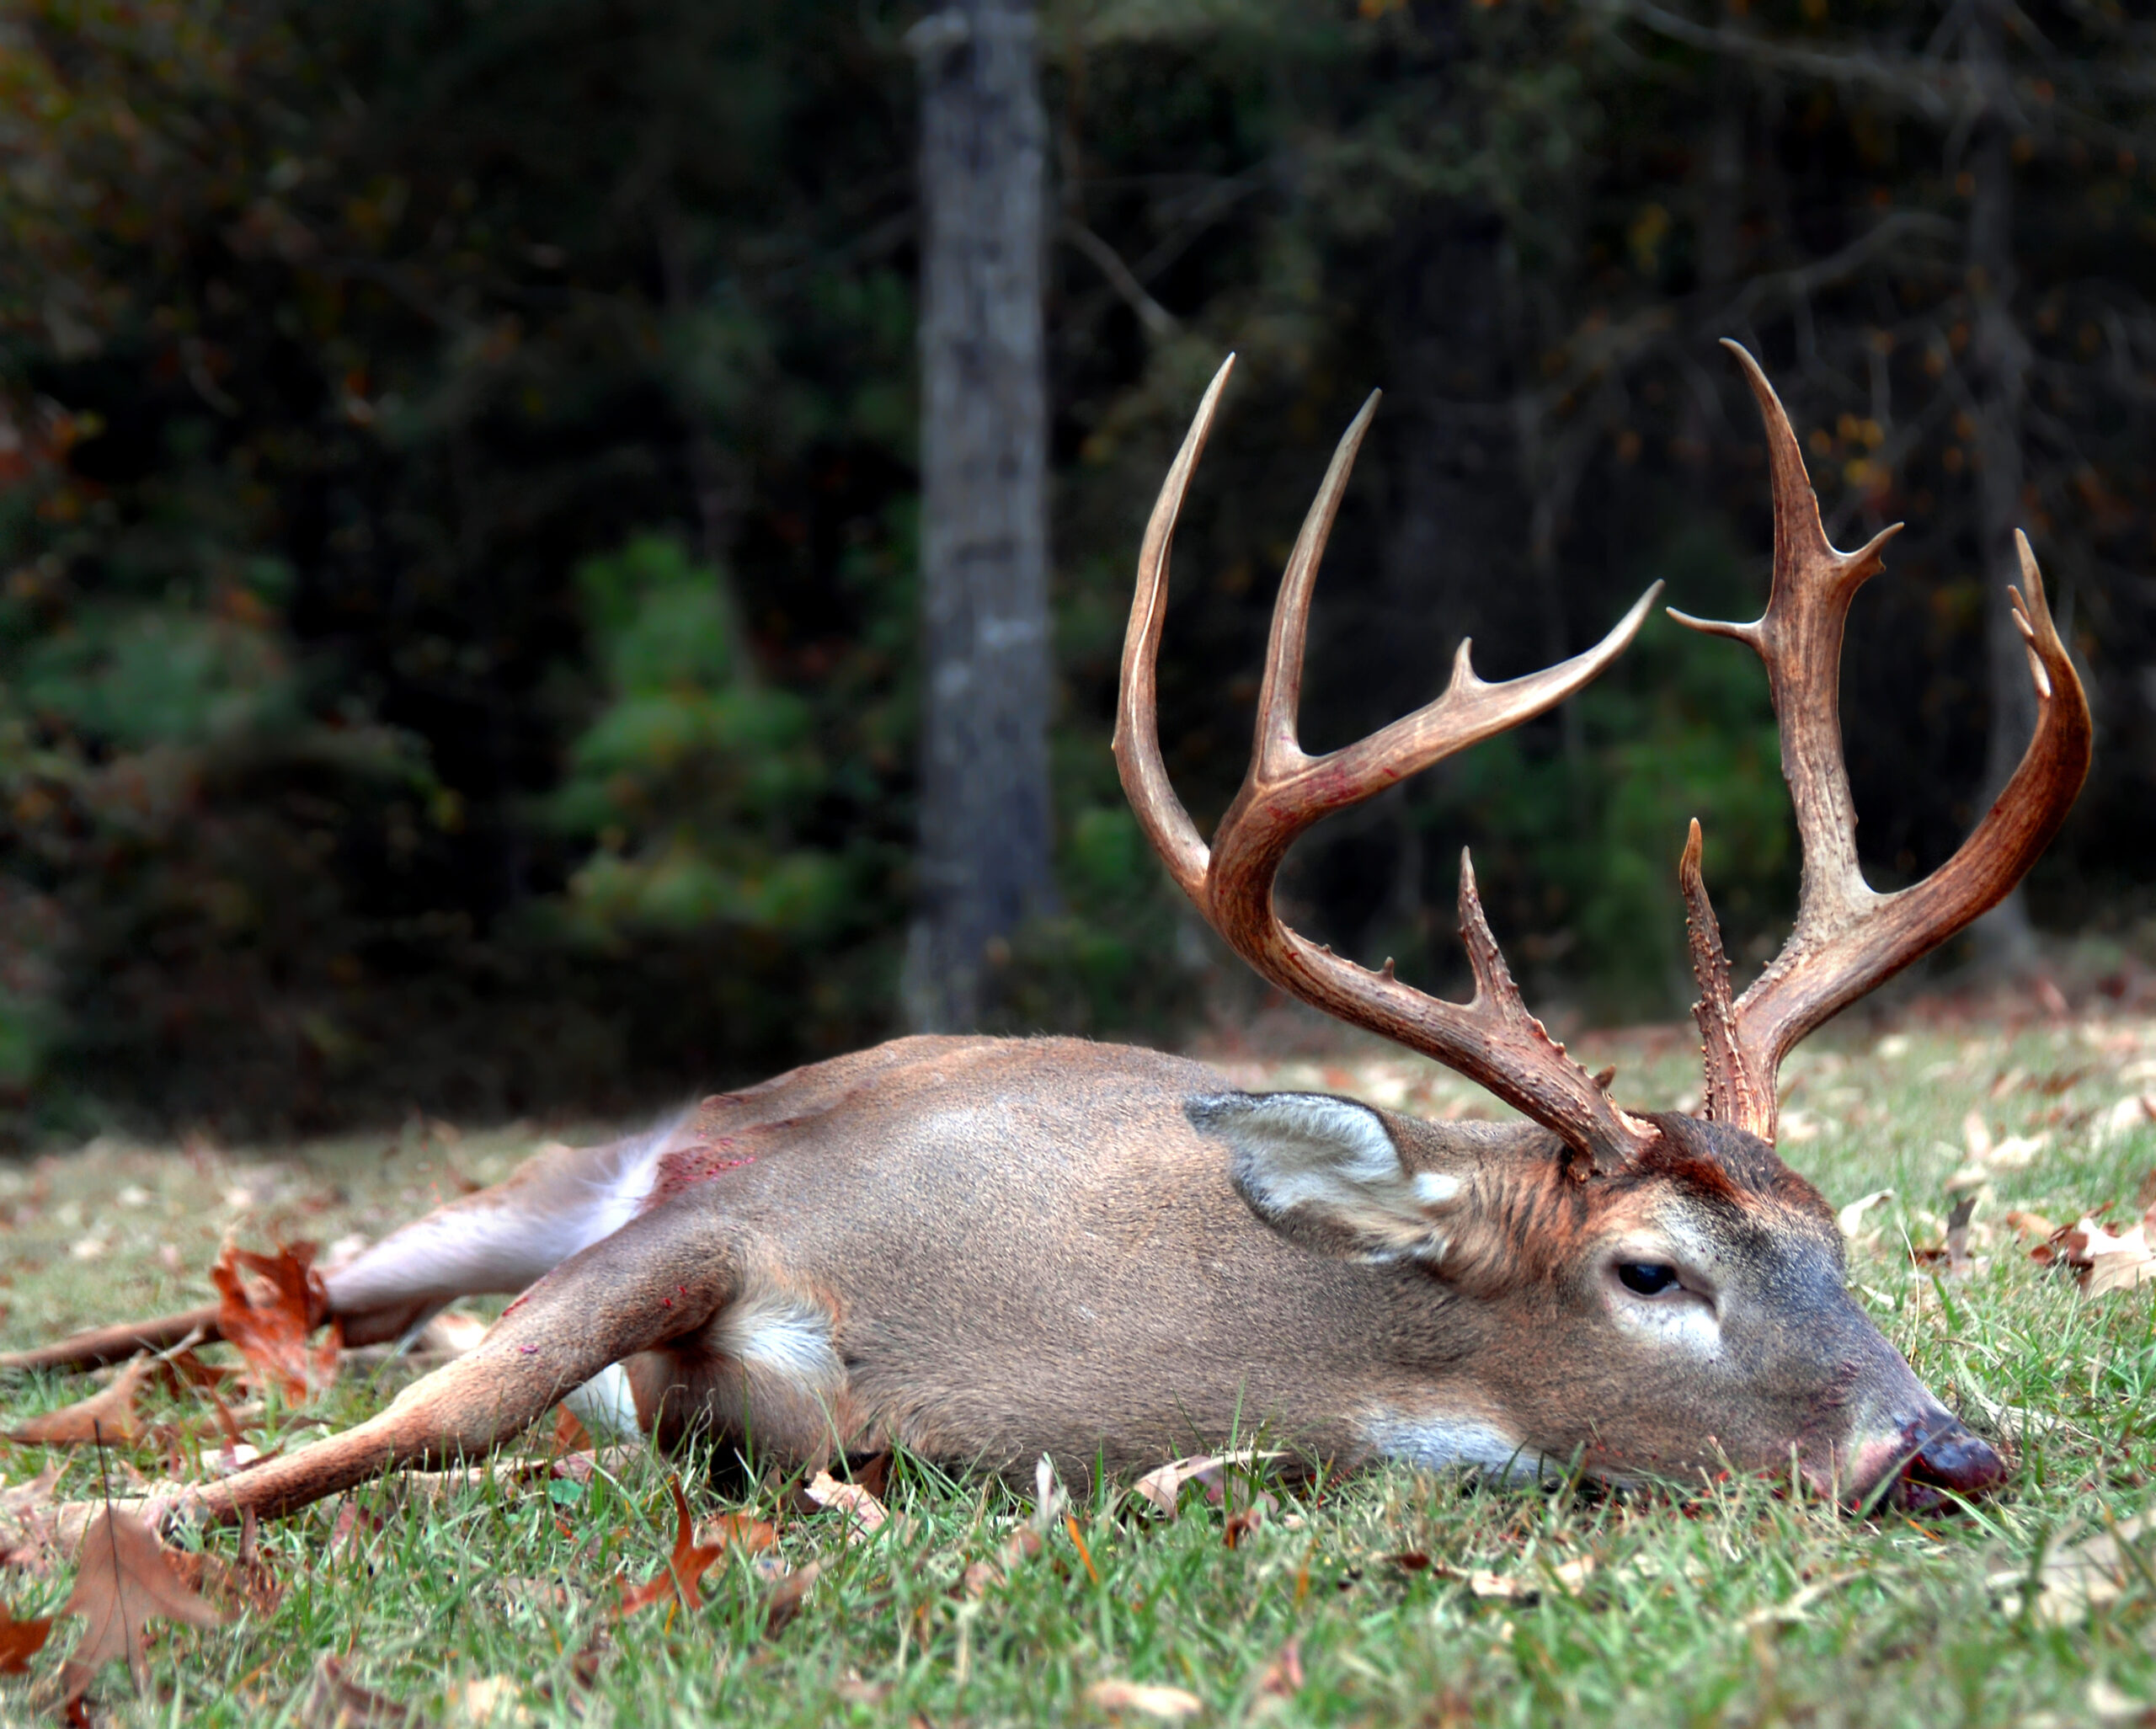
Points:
(1436, 1441)
(605, 1406)
(784, 1336)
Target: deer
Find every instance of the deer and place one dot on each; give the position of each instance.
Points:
(989, 1250)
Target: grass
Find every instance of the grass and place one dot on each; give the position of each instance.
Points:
(1738, 1605)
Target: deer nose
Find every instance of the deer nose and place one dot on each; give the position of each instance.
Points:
(1945, 1456)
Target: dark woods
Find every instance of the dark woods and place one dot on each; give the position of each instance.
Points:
(458, 499)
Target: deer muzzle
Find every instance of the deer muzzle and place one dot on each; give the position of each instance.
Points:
(1947, 1457)
(1930, 1458)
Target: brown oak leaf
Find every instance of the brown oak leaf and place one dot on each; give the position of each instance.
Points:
(106, 1416)
(268, 1305)
(122, 1578)
(333, 1701)
(688, 1563)
(20, 1641)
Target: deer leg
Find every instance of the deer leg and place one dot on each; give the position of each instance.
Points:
(663, 1275)
(101, 1345)
(498, 1240)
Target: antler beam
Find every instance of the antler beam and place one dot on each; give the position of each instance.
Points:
(1491, 1039)
(1849, 938)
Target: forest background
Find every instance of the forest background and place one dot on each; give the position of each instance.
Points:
(459, 493)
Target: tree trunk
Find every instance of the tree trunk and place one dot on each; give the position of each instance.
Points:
(2001, 357)
(985, 860)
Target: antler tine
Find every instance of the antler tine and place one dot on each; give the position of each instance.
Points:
(1733, 1093)
(1137, 742)
(1849, 938)
(1493, 1039)
(1277, 750)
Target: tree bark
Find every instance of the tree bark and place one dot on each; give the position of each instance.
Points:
(2001, 368)
(984, 847)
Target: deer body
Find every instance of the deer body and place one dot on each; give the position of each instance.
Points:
(988, 1250)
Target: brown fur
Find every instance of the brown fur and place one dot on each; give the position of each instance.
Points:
(1028, 1246)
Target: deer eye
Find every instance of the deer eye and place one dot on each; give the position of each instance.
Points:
(1648, 1279)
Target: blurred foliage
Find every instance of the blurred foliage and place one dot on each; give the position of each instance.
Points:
(457, 504)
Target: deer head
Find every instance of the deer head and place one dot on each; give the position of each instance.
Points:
(1661, 1294)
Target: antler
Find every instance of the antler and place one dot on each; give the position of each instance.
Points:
(1491, 1039)
(1849, 939)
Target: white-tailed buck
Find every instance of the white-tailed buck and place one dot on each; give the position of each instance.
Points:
(985, 1249)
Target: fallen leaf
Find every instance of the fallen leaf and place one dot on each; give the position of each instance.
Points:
(2031, 1226)
(1851, 1216)
(20, 1641)
(1049, 1496)
(1240, 1523)
(1413, 1560)
(122, 1577)
(1523, 1587)
(570, 1436)
(108, 1415)
(353, 1528)
(688, 1563)
(1163, 1486)
(2104, 1261)
(982, 1575)
(268, 1305)
(36, 1494)
(784, 1600)
(2110, 1703)
(2074, 1578)
(1282, 1677)
(2017, 1152)
(334, 1701)
(737, 1530)
(1795, 1608)
(2127, 1114)
(864, 1512)
(1168, 1703)
(485, 1700)
(232, 1458)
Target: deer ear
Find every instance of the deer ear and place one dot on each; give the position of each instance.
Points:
(1326, 1174)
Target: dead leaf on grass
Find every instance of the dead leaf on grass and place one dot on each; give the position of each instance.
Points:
(20, 1641)
(123, 1578)
(1850, 1219)
(485, 1700)
(864, 1512)
(688, 1563)
(335, 1701)
(2074, 1578)
(2031, 1227)
(2104, 1261)
(2124, 1117)
(1525, 1586)
(108, 1416)
(1244, 1521)
(983, 1575)
(268, 1305)
(31, 1497)
(1283, 1677)
(1163, 1486)
(784, 1600)
(1169, 1704)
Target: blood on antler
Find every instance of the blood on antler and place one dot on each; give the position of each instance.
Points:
(1849, 938)
(1491, 1039)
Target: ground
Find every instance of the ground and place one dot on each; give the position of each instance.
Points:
(1387, 1597)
